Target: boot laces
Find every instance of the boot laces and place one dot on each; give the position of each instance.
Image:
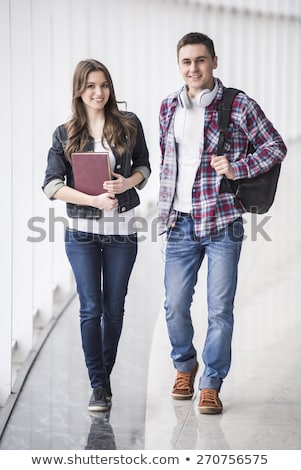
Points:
(184, 380)
(209, 395)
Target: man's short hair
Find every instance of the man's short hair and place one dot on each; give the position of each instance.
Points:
(196, 38)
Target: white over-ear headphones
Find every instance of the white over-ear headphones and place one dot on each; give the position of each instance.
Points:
(202, 99)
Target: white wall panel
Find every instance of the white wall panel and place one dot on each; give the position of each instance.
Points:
(41, 125)
(22, 196)
(79, 30)
(61, 82)
(6, 209)
(294, 71)
(96, 31)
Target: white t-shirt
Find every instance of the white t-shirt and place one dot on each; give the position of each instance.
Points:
(189, 135)
(112, 222)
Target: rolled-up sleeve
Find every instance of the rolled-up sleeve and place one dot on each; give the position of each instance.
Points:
(52, 187)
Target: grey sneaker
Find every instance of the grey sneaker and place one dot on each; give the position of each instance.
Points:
(98, 400)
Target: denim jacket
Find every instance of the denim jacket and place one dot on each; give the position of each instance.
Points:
(59, 170)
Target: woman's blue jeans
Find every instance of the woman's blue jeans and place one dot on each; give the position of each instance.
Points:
(184, 256)
(102, 266)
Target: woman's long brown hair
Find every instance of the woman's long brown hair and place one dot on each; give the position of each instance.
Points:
(119, 129)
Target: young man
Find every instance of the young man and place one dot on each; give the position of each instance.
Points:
(200, 219)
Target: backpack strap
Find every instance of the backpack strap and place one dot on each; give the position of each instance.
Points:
(224, 114)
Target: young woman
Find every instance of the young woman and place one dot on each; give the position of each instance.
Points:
(101, 243)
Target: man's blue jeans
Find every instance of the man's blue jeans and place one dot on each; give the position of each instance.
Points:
(184, 256)
(102, 266)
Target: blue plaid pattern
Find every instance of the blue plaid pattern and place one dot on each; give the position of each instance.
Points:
(212, 211)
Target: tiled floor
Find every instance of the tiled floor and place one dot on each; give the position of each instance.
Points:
(261, 396)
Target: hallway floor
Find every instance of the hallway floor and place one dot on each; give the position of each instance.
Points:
(261, 395)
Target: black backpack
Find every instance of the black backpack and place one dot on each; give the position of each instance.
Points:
(256, 194)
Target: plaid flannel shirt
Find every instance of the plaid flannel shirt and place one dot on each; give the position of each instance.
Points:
(212, 211)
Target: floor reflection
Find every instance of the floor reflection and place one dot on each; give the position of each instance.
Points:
(195, 431)
(101, 435)
(182, 415)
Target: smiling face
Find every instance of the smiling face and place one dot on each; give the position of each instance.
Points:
(97, 91)
(196, 66)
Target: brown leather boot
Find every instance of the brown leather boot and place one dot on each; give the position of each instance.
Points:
(183, 386)
(209, 402)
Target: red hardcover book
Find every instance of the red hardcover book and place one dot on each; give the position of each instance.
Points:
(90, 170)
